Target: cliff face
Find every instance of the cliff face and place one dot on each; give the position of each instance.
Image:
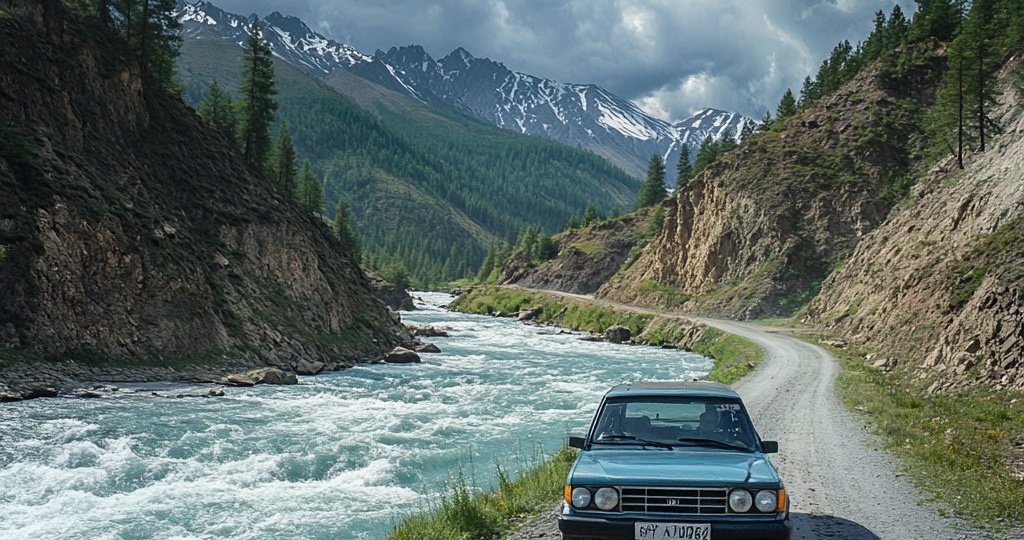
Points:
(757, 233)
(939, 289)
(129, 230)
(587, 258)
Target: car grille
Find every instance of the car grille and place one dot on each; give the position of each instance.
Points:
(674, 500)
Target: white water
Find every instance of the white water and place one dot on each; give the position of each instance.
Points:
(342, 455)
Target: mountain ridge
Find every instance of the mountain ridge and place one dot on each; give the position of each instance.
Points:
(580, 115)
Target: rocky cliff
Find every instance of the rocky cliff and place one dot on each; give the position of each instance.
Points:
(757, 233)
(129, 230)
(587, 258)
(939, 288)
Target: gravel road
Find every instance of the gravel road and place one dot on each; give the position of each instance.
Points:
(840, 486)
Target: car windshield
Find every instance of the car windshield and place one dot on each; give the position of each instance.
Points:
(703, 421)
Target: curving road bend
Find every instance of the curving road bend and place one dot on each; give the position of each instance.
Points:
(841, 487)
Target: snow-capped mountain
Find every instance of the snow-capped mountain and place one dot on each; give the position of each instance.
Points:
(582, 115)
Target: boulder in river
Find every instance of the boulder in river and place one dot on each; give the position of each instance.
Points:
(308, 367)
(617, 334)
(427, 348)
(401, 355)
(260, 376)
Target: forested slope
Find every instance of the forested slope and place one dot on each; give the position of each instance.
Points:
(432, 188)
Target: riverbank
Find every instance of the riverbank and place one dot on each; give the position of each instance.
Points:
(525, 507)
(733, 356)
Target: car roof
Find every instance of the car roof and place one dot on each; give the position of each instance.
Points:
(694, 388)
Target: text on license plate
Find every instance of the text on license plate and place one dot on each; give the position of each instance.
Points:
(683, 531)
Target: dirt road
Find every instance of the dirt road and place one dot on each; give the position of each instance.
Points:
(839, 485)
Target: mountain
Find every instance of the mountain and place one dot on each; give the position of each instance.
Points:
(130, 230)
(580, 115)
(838, 215)
(431, 187)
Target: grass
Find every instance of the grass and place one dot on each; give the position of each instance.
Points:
(464, 515)
(734, 356)
(564, 312)
(957, 447)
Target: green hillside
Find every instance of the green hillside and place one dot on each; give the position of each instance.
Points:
(432, 188)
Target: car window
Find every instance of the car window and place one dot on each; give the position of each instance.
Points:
(673, 420)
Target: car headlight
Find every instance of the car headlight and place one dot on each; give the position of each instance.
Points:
(606, 498)
(580, 497)
(766, 501)
(740, 500)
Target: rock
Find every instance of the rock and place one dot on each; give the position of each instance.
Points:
(426, 331)
(89, 394)
(215, 392)
(307, 367)
(885, 364)
(528, 314)
(835, 343)
(427, 348)
(617, 334)
(8, 395)
(239, 379)
(394, 296)
(260, 376)
(401, 355)
(39, 392)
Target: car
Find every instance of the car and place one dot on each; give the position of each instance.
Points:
(673, 460)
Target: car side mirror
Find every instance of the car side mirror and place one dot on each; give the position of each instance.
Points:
(770, 447)
(577, 442)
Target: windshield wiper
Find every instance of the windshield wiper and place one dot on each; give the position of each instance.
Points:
(715, 442)
(620, 437)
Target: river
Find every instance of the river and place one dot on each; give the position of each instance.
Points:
(342, 455)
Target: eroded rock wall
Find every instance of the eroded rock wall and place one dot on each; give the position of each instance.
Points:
(129, 229)
(939, 289)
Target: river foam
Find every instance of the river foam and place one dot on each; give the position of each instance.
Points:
(341, 455)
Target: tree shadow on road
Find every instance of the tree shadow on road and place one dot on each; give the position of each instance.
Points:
(811, 526)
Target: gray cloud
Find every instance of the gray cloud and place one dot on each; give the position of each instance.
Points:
(673, 57)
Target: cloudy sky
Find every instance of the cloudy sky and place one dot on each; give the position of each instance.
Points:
(672, 57)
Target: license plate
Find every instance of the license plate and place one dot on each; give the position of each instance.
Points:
(643, 530)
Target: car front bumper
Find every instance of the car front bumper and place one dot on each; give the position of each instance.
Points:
(623, 528)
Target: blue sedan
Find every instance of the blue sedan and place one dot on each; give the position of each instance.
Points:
(673, 460)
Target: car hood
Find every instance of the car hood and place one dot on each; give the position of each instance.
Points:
(672, 467)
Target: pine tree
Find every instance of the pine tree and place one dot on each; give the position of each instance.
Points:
(574, 222)
(809, 93)
(787, 106)
(590, 215)
(707, 153)
(258, 105)
(218, 109)
(283, 169)
(968, 90)
(939, 19)
(653, 190)
(684, 171)
(342, 227)
(151, 31)
(310, 193)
